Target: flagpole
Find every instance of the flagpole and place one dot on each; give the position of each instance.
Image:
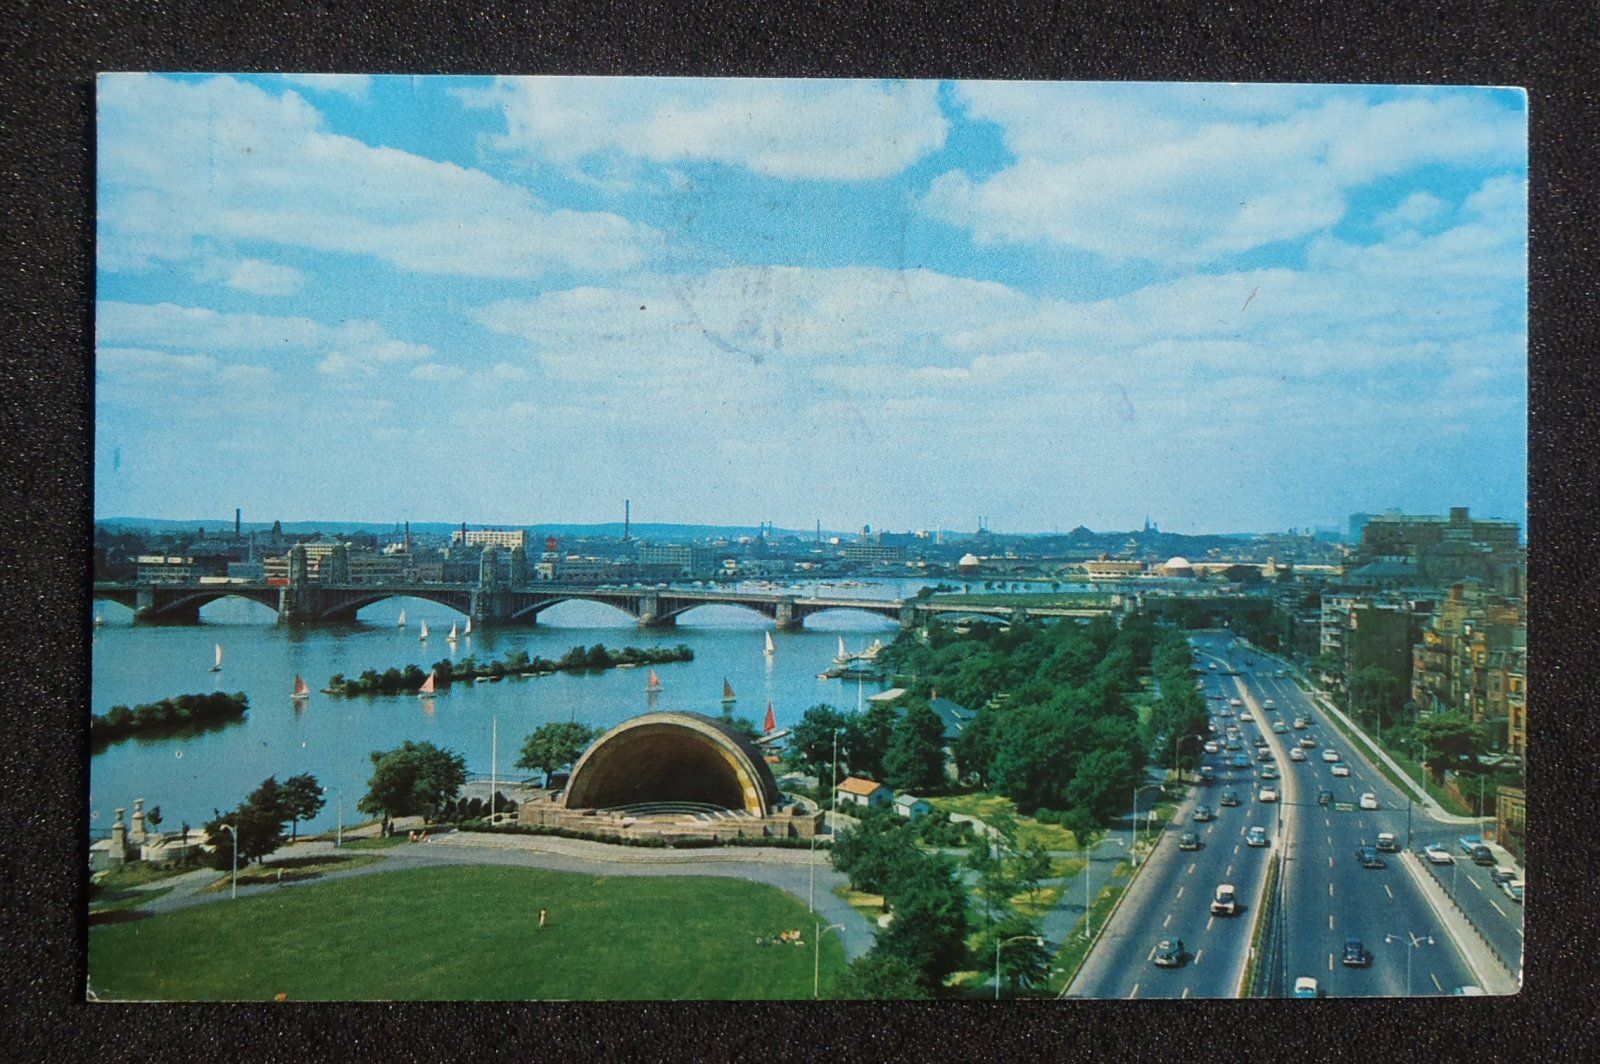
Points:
(494, 761)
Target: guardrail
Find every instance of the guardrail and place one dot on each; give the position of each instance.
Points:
(1427, 866)
(1256, 980)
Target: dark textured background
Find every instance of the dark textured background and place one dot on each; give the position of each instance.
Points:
(49, 53)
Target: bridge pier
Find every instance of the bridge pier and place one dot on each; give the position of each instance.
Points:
(785, 618)
(300, 604)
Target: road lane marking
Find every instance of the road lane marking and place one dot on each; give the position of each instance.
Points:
(1330, 962)
(1192, 866)
(1185, 993)
(1330, 840)
(1330, 862)
(1236, 847)
(1327, 824)
(1167, 921)
(1390, 892)
(1497, 908)
(1197, 954)
(1436, 984)
(1474, 882)
(1330, 921)
(1134, 992)
(1209, 921)
(1228, 873)
(1330, 889)
(1180, 892)
(1150, 956)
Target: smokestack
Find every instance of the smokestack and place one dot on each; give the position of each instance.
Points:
(238, 526)
(819, 530)
(408, 537)
(627, 520)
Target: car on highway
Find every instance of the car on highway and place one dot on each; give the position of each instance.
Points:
(1437, 854)
(1306, 987)
(1211, 746)
(1229, 798)
(1513, 890)
(1170, 953)
(1369, 800)
(1324, 797)
(1297, 755)
(1469, 991)
(1203, 813)
(1368, 857)
(1267, 794)
(1256, 836)
(1267, 772)
(1226, 901)
(1355, 954)
(1330, 756)
(1189, 840)
(1279, 727)
(1235, 703)
(1234, 746)
(1300, 724)
(1259, 742)
(1341, 770)
(1269, 705)
(1282, 674)
(1468, 842)
(1308, 743)
(1387, 843)
(1240, 761)
(1498, 875)
(1482, 855)
(1213, 666)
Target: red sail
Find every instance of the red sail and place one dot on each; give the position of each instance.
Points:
(772, 721)
(655, 681)
(427, 686)
(727, 690)
(300, 688)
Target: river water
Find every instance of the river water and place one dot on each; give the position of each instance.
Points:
(331, 736)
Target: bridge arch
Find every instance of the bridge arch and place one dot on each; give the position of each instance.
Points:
(195, 601)
(534, 609)
(888, 613)
(352, 603)
(672, 612)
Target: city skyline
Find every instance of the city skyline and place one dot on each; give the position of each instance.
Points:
(451, 295)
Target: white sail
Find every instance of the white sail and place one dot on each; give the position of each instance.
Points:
(772, 647)
(217, 667)
(468, 629)
(401, 623)
(454, 635)
(843, 653)
(424, 634)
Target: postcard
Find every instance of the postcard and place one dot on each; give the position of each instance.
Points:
(567, 538)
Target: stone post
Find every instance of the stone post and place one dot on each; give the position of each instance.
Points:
(119, 840)
(137, 833)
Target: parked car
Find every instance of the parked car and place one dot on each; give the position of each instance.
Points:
(1226, 901)
(1368, 857)
(1256, 836)
(1467, 842)
(1189, 840)
(1482, 855)
(1229, 798)
(1341, 770)
(1297, 755)
(1268, 772)
(1369, 800)
(1387, 843)
(1330, 756)
(1267, 794)
(1269, 705)
(1170, 953)
(1306, 987)
(1437, 854)
(1500, 875)
(1355, 954)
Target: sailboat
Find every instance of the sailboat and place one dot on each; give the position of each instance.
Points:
(99, 619)
(217, 667)
(301, 690)
(772, 721)
(424, 636)
(454, 635)
(426, 690)
(772, 648)
(468, 629)
(401, 623)
(655, 682)
(844, 656)
(727, 691)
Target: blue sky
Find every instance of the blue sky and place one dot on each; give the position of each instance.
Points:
(901, 304)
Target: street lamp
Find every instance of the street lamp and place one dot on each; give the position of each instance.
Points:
(811, 896)
(1035, 939)
(1413, 942)
(233, 880)
(816, 969)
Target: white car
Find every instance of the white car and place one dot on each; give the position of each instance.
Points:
(1297, 755)
(1211, 748)
(1299, 723)
(1437, 854)
(1306, 987)
(1341, 770)
(1369, 801)
(1235, 703)
(1330, 756)
(1267, 794)
(1279, 727)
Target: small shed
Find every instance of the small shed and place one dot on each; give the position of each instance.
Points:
(911, 807)
(853, 790)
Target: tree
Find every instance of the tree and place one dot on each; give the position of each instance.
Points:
(260, 833)
(153, 817)
(1024, 957)
(1374, 694)
(1033, 867)
(929, 928)
(874, 853)
(412, 779)
(302, 800)
(879, 977)
(811, 743)
(551, 746)
(1449, 737)
(915, 758)
(1103, 780)
(866, 740)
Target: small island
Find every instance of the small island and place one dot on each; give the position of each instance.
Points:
(168, 716)
(515, 663)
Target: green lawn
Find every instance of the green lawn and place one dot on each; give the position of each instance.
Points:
(984, 806)
(470, 933)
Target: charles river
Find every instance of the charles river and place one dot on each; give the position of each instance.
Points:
(331, 736)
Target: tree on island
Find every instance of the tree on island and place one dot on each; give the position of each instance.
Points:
(414, 779)
(302, 800)
(551, 746)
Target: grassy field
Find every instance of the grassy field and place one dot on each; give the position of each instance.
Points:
(1029, 830)
(470, 933)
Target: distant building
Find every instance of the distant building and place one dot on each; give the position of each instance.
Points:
(1409, 535)
(165, 569)
(684, 559)
(874, 554)
(490, 537)
(853, 790)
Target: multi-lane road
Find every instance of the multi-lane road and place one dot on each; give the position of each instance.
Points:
(1325, 896)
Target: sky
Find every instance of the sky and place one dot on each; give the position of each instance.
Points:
(901, 304)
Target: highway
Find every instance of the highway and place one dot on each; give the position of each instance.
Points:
(1327, 896)
(1172, 895)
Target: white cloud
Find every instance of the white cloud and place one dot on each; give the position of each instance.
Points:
(799, 129)
(186, 160)
(1190, 174)
(436, 372)
(1415, 209)
(355, 86)
(266, 278)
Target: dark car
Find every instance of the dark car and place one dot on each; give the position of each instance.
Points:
(1482, 855)
(1499, 875)
(1229, 798)
(1268, 772)
(1170, 953)
(1188, 841)
(1324, 797)
(1368, 857)
(1355, 954)
(1202, 813)
(1240, 761)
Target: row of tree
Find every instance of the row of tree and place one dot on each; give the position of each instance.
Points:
(515, 663)
(182, 713)
(1179, 717)
(900, 745)
(260, 819)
